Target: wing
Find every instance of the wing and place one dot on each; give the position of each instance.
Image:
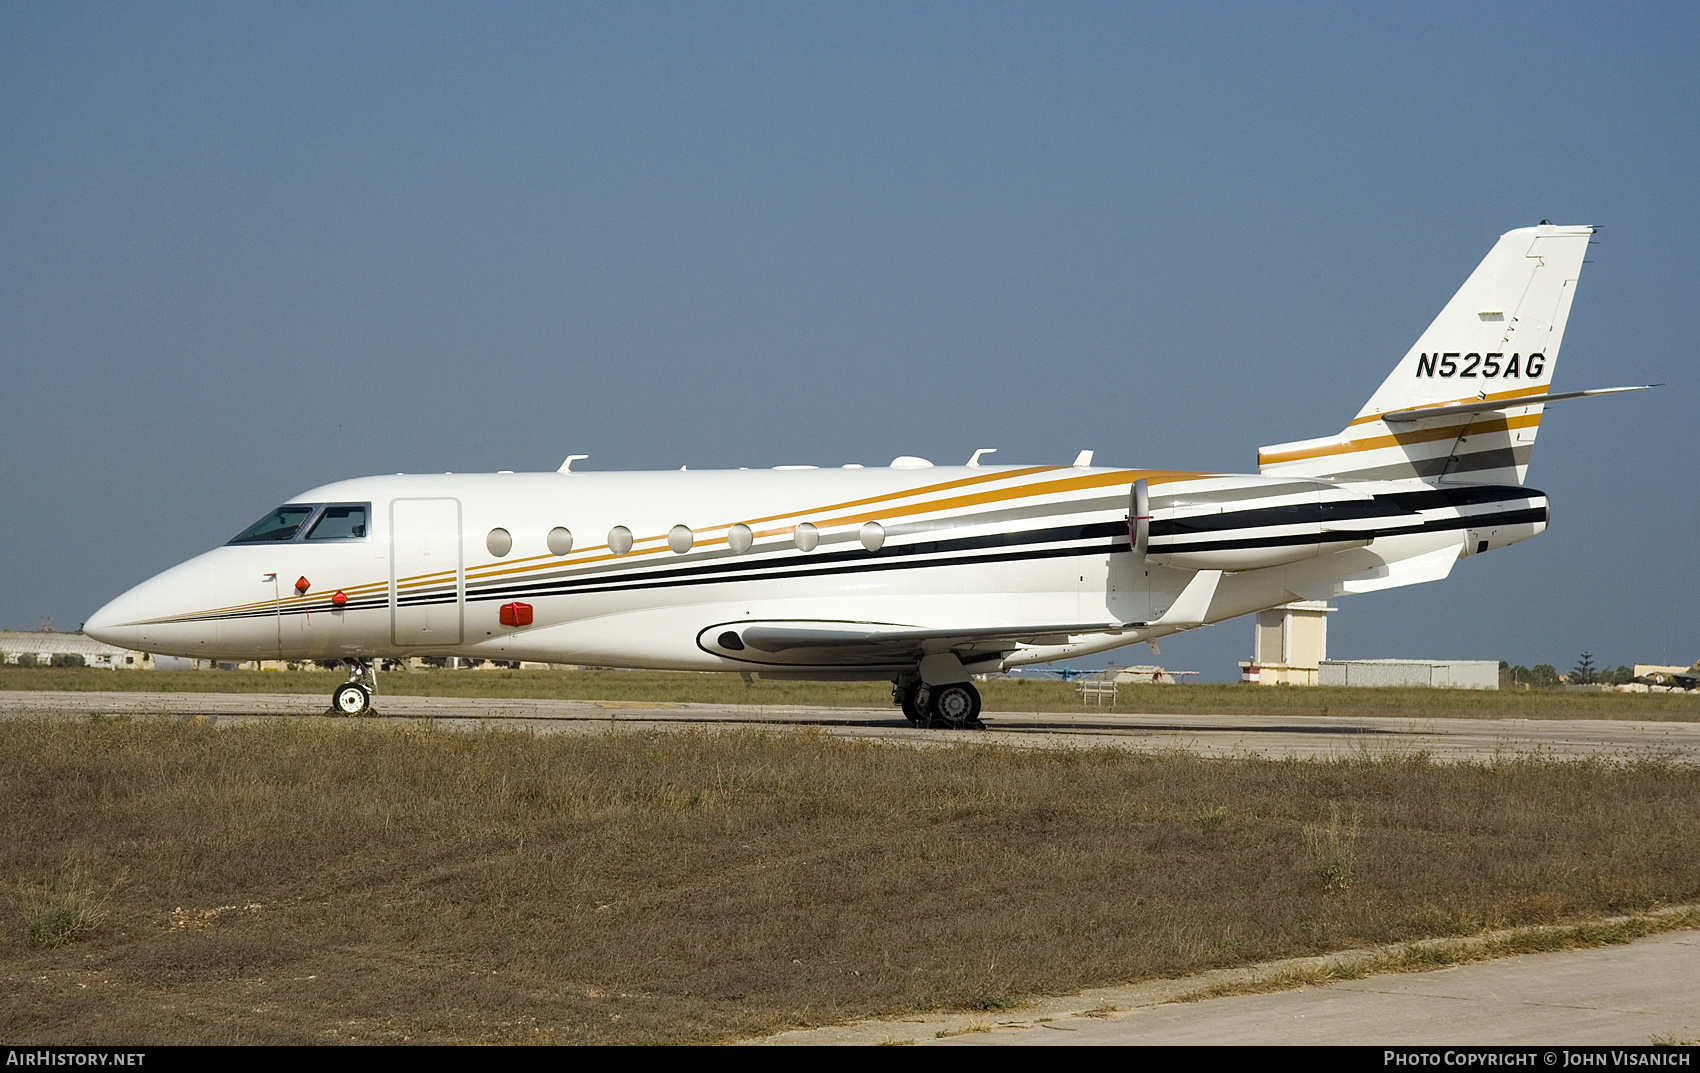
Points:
(800, 643)
(868, 645)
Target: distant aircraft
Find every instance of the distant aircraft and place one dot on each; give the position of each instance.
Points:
(1689, 679)
(1067, 674)
(913, 573)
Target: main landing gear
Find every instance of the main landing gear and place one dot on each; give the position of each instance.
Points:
(955, 706)
(354, 697)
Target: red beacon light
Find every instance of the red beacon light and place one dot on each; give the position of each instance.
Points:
(516, 614)
(339, 598)
(302, 585)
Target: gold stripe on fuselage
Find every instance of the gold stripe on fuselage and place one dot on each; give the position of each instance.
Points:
(1024, 491)
(601, 553)
(1400, 439)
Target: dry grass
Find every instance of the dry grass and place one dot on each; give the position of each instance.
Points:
(1000, 695)
(1332, 848)
(325, 881)
(69, 907)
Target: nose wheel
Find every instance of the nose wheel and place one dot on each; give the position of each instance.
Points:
(354, 697)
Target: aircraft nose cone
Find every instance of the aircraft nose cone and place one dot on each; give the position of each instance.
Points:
(110, 624)
(166, 613)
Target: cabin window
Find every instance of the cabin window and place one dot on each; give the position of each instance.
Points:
(500, 542)
(680, 538)
(619, 540)
(560, 540)
(340, 521)
(806, 537)
(873, 536)
(280, 525)
(740, 538)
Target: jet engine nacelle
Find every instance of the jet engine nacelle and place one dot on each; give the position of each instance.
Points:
(1201, 528)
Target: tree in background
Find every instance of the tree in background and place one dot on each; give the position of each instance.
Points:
(1544, 675)
(1584, 674)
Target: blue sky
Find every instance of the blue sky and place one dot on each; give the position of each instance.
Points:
(249, 249)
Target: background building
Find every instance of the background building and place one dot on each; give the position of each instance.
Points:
(41, 646)
(1438, 673)
(1290, 643)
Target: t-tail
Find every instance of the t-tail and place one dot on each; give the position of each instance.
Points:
(1464, 404)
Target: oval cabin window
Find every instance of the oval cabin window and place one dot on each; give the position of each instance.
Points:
(500, 542)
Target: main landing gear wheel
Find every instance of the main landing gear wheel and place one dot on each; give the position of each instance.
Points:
(352, 698)
(956, 705)
(914, 708)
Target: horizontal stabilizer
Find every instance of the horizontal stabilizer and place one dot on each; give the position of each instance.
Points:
(1487, 405)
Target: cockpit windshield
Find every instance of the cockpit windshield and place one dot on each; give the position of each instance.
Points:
(340, 521)
(309, 521)
(280, 525)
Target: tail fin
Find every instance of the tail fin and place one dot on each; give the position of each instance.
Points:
(1497, 340)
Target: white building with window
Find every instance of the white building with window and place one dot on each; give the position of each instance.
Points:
(42, 645)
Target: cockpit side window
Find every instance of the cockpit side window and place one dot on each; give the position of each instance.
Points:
(340, 521)
(280, 525)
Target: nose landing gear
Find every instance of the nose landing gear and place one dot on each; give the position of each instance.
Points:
(354, 697)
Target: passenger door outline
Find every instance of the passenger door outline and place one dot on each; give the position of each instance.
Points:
(425, 539)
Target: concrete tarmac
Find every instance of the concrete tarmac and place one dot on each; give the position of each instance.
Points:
(1298, 736)
(1639, 993)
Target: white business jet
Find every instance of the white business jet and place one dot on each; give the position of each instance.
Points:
(919, 574)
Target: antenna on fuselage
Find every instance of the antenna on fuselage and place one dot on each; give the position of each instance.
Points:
(567, 466)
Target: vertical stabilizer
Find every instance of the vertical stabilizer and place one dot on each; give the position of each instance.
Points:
(1497, 339)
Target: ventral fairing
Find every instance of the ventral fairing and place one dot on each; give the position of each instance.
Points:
(918, 574)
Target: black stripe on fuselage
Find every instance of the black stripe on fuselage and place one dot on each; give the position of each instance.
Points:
(1066, 541)
(905, 559)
